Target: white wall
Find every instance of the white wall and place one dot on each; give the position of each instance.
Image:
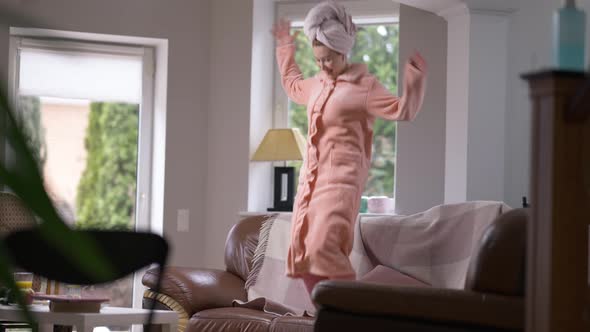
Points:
(528, 34)
(457, 106)
(420, 165)
(261, 104)
(186, 25)
(228, 122)
(476, 100)
(487, 106)
(529, 49)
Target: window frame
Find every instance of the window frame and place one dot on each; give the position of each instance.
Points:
(19, 43)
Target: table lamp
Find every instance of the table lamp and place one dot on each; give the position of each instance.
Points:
(282, 145)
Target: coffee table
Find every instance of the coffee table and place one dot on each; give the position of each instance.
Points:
(85, 322)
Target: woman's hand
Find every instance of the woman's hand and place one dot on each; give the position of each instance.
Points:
(418, 61)
(282, 32)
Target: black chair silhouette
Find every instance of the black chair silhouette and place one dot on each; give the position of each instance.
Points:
(126, 251)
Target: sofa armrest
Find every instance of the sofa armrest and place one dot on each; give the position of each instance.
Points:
(198, 289)
(422, 304)
(159, 301)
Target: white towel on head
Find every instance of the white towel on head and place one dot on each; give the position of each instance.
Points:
(329, 23)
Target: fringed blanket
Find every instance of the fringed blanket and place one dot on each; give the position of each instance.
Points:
(269, 289)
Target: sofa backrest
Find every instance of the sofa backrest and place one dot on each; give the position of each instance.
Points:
(240, 245)
(498, 263)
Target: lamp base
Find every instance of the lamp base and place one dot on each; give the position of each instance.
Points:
(284, 189)
(284, 209)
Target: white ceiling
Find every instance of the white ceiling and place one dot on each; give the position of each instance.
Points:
(438, 6)
(435, 6)
(500, 5)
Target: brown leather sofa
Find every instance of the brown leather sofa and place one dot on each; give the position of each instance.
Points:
(491, 301)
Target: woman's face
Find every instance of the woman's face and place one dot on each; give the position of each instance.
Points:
(330, 62)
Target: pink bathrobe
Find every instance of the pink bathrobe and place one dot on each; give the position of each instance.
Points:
(341, 114)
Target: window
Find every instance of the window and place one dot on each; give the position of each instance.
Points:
(376, 46)
(87, 109)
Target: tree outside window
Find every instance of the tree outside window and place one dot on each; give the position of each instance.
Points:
(377, 47)
(107, 189)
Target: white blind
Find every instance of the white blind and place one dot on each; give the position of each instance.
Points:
(80, 71)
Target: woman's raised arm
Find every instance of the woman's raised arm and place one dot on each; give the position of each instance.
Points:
(296, 87)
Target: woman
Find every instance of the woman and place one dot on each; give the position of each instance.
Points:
(342, 101)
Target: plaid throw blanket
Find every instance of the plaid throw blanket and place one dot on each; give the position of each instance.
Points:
(433, 246)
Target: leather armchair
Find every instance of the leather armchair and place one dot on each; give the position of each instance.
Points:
(203, 297)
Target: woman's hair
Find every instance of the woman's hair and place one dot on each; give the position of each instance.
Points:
(316, 42)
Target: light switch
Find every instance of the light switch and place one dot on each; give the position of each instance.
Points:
(182, 220)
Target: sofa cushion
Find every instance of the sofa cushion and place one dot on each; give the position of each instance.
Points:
(231, 320)
(388, 276)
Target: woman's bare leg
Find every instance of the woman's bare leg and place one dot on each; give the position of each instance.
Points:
(310, 280)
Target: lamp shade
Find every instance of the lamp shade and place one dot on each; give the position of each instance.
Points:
(281, 145)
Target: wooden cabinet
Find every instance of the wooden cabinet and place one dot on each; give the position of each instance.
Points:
(558, 293)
